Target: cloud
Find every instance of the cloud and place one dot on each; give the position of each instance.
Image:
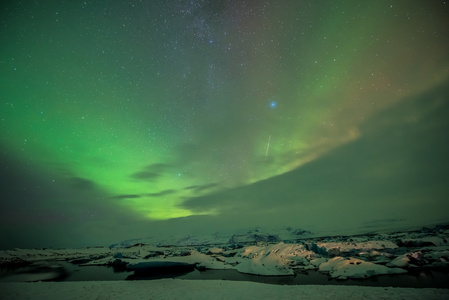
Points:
(126, 196)
(217, 146)
(396, 170)
(394, 174)
(56, 208)
(145, 175)
(162, 193)
(150, 172)
(81, 183)
(201, 188)
(134, 196)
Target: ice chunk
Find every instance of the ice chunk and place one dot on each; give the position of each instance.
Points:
(402, 261)
(343, 268)
(269, 260)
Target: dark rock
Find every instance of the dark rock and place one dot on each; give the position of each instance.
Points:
(136, 245)
(203, 250)
(232, 247)
(14, 261)
(229, 254)
(80, 261)
(298, 232)
(118, 265)
(334, 252)
(153, 254)
(318, 250)
(414, 244)
(181, 253)
(254, 238)
(416, 258)
(201, 268)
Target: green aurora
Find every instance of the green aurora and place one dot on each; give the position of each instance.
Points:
(145, 107)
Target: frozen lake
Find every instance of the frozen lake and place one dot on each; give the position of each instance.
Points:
(417, 279)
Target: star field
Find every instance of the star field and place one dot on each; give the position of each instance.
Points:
(146, 109)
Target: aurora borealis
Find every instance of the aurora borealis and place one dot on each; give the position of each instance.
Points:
(132, 117)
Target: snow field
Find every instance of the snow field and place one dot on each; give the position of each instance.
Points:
(204, 289)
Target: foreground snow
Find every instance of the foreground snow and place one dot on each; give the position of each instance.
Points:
(199, 289)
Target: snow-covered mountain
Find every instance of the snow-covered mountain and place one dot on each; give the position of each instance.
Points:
(243, 236)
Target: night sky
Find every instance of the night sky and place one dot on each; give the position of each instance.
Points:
(125, 119)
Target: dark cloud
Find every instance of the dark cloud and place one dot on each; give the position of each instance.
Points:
(162, 193)
(82, 183)
(218, 141)
(56, 209)
(397, 169)
(150, 172)
(201, 188)
(134, 196)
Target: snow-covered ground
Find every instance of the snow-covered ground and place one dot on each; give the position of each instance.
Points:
(204, 289)
(254, 252)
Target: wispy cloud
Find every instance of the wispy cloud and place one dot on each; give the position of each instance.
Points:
(162, 193)
(202, 188)
(150, 172)
(126, 196)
